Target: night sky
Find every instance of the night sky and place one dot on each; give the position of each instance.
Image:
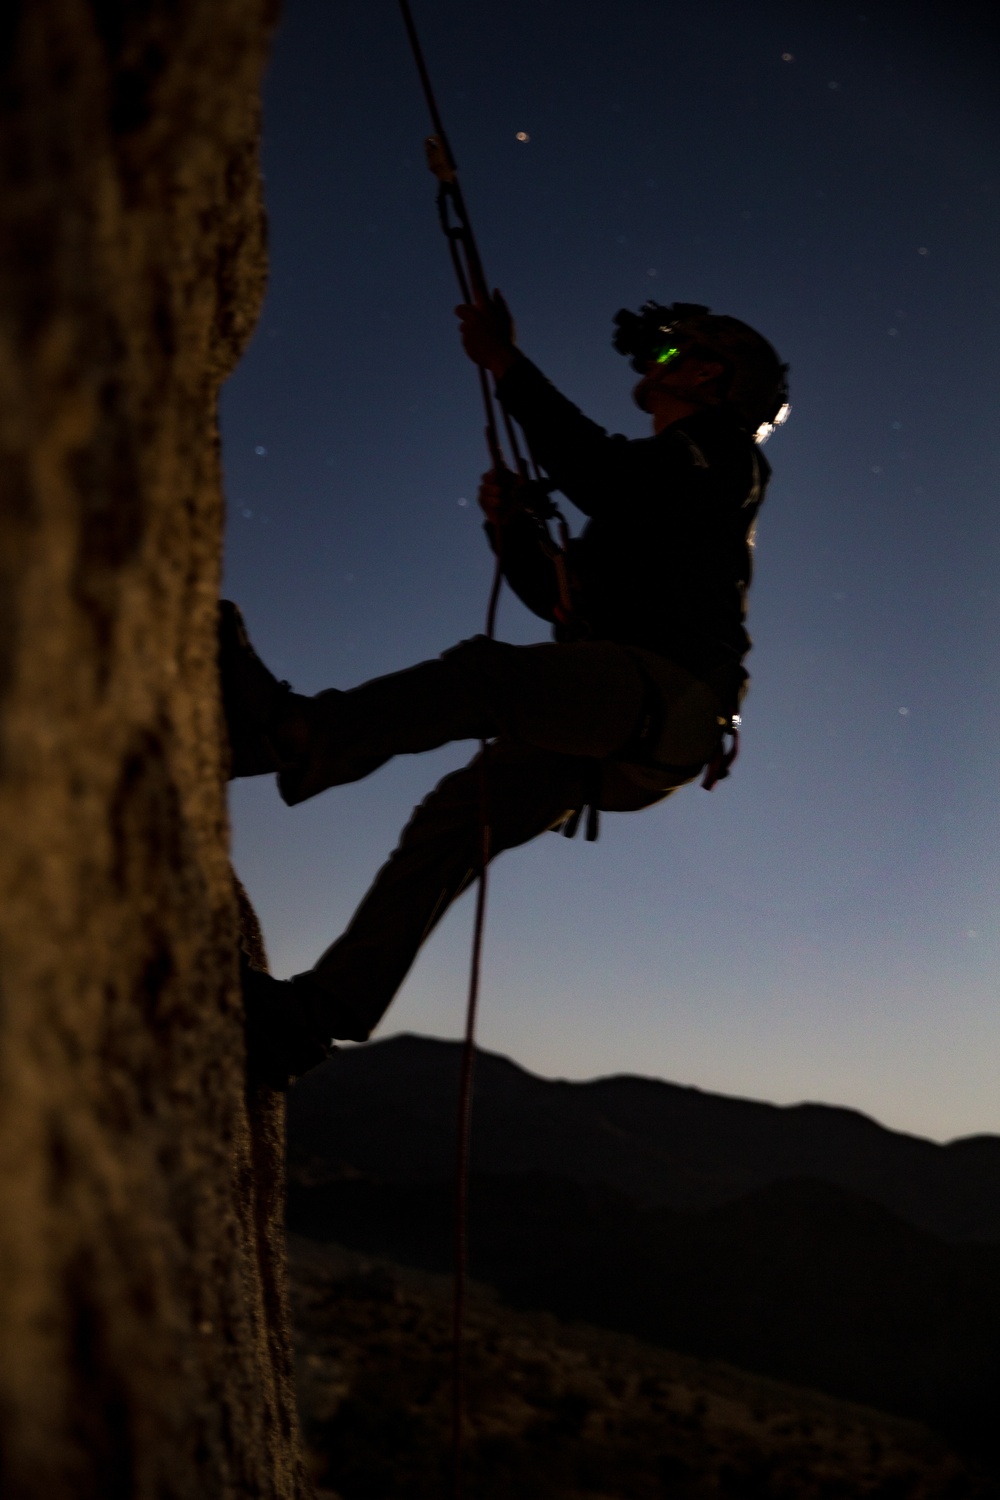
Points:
(823, 925)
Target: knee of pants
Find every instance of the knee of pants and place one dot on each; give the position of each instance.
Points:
(527, 791)
(571, 699)
(487, 676)
(477, 656)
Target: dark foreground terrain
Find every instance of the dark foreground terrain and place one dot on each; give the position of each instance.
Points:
(808, 1244)
(565, 1411)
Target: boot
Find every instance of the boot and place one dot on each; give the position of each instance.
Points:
(261, 713)
(312, 765)
(284, 1033)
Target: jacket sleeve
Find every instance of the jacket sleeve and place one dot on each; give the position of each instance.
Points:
(526, 567)
(578, 455)
(591, 467)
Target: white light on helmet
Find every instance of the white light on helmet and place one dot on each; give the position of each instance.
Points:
(766, 428)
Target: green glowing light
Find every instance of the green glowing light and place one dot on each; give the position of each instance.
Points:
(667, 354)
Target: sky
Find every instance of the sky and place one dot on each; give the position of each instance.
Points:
(823, 925)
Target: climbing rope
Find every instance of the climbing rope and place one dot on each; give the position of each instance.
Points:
(535, 497)
(465, 256)
(474, 288)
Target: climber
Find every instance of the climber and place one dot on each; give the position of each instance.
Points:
(627, 703)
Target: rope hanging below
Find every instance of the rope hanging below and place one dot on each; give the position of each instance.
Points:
(472, 283)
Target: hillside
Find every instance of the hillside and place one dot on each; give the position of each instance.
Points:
(796, 1276)
(567, 1412)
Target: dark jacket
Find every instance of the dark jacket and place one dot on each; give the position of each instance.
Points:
(664, 561)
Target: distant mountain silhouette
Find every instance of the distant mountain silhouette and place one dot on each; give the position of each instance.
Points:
(772, 1238)
(387, 1110)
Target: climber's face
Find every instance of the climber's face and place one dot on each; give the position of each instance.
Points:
(681, 379)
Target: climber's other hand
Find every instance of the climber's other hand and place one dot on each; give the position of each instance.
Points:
(499, 496)
(487, 333)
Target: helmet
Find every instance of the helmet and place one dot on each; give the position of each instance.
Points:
(755, 385)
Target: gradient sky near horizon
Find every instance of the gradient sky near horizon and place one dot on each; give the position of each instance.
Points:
(824, 925)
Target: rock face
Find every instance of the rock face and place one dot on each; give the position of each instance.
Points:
(143, 1344)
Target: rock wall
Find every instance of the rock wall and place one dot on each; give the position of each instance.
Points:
(143, 1346)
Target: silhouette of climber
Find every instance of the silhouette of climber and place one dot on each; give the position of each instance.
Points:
(627, 703)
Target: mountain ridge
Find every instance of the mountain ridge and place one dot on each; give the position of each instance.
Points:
(386, 1111)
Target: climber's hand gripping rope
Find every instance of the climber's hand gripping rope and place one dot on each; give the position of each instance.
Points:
(487, 333)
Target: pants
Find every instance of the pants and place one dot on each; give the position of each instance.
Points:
(559, 717)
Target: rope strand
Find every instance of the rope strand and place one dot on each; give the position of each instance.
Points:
(473, 287)
(465, 1087)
